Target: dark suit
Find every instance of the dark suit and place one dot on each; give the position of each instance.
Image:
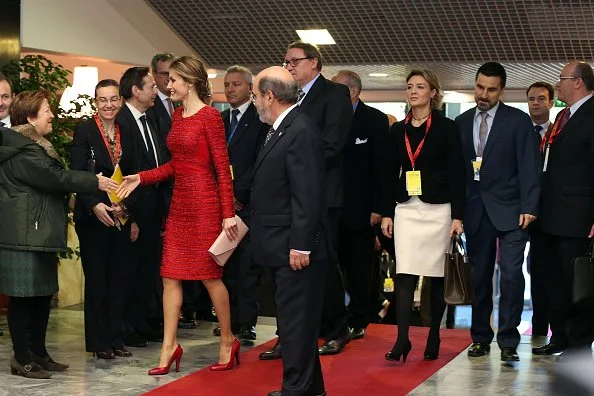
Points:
(567, 213)
(241, 277)
(288, 212)
(509, 186)
(328, 104)
(148, 205)
(107, 254)
(361, 198)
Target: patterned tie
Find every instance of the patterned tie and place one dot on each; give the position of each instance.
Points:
(564, 119)
(483, 132)
(170, 107)
(269, 135)
(300, 95)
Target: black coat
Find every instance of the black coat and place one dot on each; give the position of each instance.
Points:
(88, 143)
(567, 199)
(243, 149)
(328, 104)
(361, 178)
(441, 162)
(287, 200)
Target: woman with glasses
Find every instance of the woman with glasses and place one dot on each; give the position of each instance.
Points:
(105, 234)
(425, 178)
(202, 206)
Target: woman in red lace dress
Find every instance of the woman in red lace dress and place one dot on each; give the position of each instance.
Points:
(202, 200)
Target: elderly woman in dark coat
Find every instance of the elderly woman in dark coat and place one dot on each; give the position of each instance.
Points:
(33, 185)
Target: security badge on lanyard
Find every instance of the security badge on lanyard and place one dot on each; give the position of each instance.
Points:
(476, 168)
(413, 177)
(545, 143)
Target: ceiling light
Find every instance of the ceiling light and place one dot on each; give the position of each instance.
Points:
(316, 36)
(378, 74)
(212, 75)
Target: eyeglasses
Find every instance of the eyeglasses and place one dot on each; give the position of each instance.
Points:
(103, 101)
(294, 62)
(561, 78)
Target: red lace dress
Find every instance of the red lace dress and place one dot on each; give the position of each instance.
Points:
(200, 202)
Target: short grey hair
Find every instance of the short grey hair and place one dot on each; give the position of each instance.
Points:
(247, 74)
(284, 91)
(352, 79)
(161, 57)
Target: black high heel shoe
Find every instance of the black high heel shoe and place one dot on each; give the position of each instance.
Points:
(399, 350)
(108, 355)
(432, 348)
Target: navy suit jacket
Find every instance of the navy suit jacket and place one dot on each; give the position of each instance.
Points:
(510, 172)
(287, 200)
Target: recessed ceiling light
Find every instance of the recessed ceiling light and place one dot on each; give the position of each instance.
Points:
(378, 75)
(316, 36)
(212, 75)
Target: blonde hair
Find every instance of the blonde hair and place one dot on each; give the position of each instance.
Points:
(192, 71)
(434, 84)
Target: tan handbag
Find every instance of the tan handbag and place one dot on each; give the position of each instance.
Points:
(222, 248)
(458, 288)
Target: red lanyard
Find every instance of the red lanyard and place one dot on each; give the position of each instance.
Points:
(550, 138)
(115, 154)
(414, 157)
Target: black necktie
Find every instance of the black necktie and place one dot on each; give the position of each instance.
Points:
(1, 124)
(300, 95)
(233, 124)
(269, 135)
(537, 129)
(147, 138)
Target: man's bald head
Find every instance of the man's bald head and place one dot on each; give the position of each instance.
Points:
(279, 82)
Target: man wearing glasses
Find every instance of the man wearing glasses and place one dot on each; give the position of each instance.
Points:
(328, 104)
(567, 210)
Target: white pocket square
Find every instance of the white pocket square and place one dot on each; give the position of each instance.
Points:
(359, 141)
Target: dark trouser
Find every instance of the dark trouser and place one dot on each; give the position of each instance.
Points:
(355, 255)
(108, 259)
(27, 322)
(405, 289)
(538, 279)
(242, 279)
(298, 298)
(569, 324)
(334, 313)
(481, 252)
(144, 279)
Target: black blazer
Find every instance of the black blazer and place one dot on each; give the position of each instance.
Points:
(243, 149)
(160, 115)
(148, 202)
(328, 104)
(87, 137)
(361, 181)
(441, 162)
(287, 200)
(567, 200)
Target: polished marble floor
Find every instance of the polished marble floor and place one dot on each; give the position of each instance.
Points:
(127, 376)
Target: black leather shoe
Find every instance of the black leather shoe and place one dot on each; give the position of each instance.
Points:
(335, 346)
(357, 333)
(48, 364)
(273, 354)
(135, 340)
(186, 324)
(509, 355)
(478, 349)
(549, 349)
(247, 332)
(216, 331)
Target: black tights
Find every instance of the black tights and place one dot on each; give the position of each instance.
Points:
(405, 290)
(27, 321)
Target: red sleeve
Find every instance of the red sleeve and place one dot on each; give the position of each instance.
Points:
(215, 136)
(157, 175)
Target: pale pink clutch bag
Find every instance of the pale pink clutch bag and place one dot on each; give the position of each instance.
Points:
(223, 248)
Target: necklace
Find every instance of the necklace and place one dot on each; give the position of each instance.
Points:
(421, 118)
(109, 133)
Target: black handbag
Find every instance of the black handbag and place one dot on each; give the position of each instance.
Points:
(582, 268)
(458, 288)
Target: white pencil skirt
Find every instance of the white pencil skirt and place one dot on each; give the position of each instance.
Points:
(421, 237)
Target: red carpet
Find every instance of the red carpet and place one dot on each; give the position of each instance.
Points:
(359, 369)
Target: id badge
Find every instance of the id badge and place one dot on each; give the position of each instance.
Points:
(546, 159)
(388, 285)
(231, 170)
(413, 183)
(476, 168)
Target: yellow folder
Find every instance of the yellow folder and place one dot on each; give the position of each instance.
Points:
(119, 178)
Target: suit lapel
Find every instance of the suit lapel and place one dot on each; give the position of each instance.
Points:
(98, 144)
(496, 126)
(136, 130)
(225, 116)
(243, 124)
(278, 135)
(314, 91)
(575, 119)
(468, 130)
(153, 131)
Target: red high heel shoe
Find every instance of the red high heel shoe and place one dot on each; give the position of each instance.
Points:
(165, 370)
(234, 358)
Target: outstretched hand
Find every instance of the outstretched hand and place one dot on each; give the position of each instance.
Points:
(128, 185)
(105, 183)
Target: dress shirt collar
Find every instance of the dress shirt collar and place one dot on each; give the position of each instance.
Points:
(308, 86)
(135, 112)
(242, 109)
(491, 111)
(574, 107)
(282, 116)
(6, 121)
(162, 96)
(355, 105)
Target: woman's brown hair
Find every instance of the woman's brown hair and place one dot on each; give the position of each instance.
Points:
(192, 71)
(27, 104)
(434, 84)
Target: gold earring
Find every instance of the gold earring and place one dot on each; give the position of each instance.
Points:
(33, 124)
